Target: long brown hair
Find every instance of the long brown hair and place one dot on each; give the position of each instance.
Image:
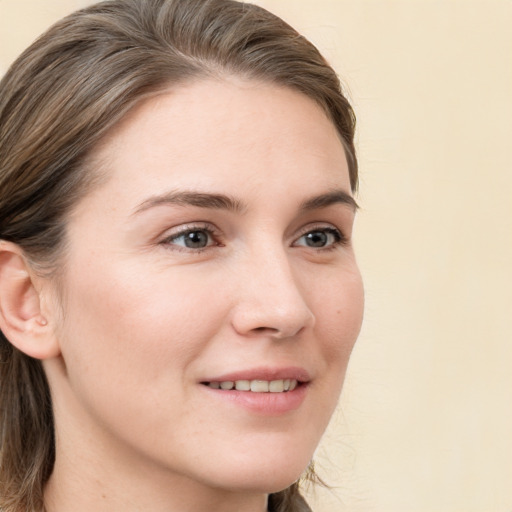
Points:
(58, 100)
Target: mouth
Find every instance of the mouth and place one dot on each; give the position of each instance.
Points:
(267, 391)
(256, 385)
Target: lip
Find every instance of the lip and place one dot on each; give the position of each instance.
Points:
(267, 404)
(264, 373)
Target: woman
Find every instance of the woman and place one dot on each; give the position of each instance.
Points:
(178, 292)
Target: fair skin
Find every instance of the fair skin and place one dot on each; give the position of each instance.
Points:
(218, 249)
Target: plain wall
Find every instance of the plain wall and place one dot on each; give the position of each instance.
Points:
(425, 422)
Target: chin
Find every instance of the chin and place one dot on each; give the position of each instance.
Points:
(266, 483)
(277, 480)
(268, 475)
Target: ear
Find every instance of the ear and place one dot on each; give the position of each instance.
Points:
(21, 319)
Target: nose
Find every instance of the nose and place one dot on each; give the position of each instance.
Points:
(269, 299)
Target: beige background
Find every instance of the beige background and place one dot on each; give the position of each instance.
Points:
(425, 423)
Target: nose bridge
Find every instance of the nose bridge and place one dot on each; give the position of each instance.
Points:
(270, 298)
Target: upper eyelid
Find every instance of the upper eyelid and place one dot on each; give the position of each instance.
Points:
(187, 227)
(342, 238)
(319, 226)
(168, 241)
(181, 230)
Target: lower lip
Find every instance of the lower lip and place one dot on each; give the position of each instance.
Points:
(272, 404)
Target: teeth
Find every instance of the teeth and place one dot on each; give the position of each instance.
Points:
(243, 385)
(256, 386)
(259, 386)
(276, 386)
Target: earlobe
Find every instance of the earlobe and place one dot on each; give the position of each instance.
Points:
(21, 319)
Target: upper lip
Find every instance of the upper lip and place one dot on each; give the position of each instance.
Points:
(263, 373)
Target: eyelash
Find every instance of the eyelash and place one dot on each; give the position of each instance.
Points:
(214, 236)
(339, 238)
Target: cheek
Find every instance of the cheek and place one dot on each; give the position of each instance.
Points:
(340, 314)
(338, 306)
(138, 328)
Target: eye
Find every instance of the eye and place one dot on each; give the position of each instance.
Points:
(191, 238)
(321, 238)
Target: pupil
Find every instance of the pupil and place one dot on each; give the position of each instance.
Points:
(316, 239)
(196, 239)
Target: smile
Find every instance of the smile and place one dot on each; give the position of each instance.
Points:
(256, 386)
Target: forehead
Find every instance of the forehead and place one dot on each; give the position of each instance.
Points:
(224, 133)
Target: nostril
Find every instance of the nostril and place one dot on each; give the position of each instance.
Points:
(270, 331)
(273, 332)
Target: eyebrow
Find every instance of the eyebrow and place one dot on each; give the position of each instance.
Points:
(191, 198)
(229, 203)
(328, 199)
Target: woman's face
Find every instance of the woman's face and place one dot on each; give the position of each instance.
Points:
(217, 251)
